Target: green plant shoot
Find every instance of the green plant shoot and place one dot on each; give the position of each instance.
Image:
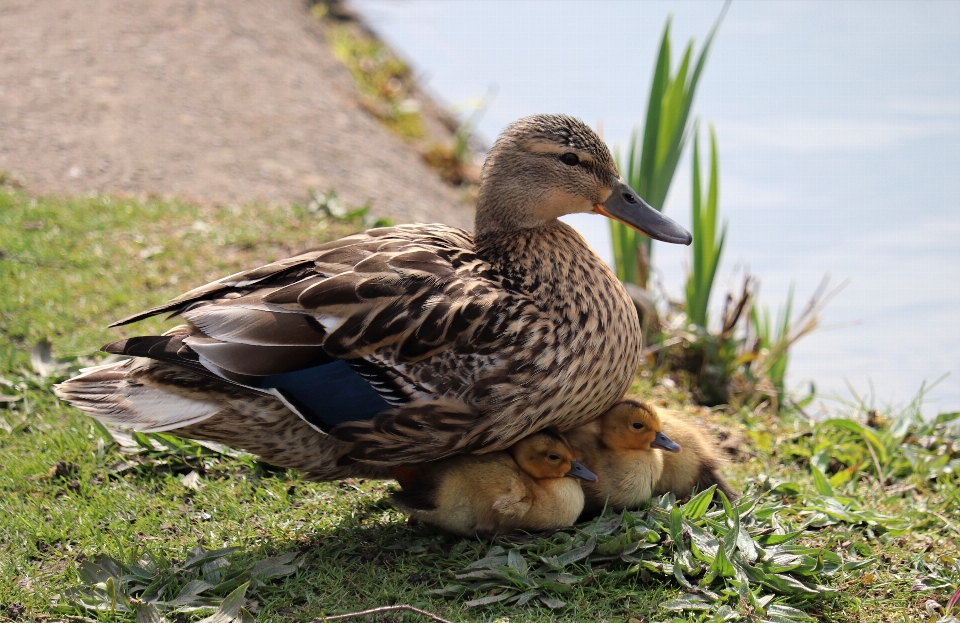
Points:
(651, 158)
(774, 342)
(707, 245)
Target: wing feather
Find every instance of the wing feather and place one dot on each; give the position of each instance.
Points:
(394, 297)
(252, 360)
(230, 323)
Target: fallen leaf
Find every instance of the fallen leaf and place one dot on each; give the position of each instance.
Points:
(191, 480)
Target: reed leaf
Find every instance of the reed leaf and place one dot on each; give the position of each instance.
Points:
(651, 158)
(707, 246)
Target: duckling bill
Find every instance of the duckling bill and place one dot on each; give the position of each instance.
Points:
(407, 344)
(533, 486)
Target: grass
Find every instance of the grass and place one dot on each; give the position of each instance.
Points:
(868, 503)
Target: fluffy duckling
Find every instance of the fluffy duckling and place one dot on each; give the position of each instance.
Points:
(530, 486)
(698, 467)
(622, 446)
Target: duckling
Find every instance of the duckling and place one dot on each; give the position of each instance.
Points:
(622, 447)
(408, 344)
(698, 467)
(531, 486)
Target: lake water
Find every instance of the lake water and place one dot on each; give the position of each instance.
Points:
(839, 136)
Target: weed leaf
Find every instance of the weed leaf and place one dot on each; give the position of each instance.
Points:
(489, 599)
(229, 607)
(687, 602)
(148, 613)
(820, 481)
(696, 507)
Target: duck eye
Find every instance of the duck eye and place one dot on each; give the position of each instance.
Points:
(637, 425)
(570, 159)
(554, 457)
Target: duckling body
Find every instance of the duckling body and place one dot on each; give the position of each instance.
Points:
(404, 344)
(532, 486)
(625, 448)
(700, 464)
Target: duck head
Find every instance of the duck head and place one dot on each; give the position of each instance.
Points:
(546, 166)
(631, 425)
(547, 454)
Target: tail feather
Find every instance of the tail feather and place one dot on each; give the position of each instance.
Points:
(125, 394)
(153, 396)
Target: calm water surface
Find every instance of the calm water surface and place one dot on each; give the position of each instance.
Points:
(839, 135)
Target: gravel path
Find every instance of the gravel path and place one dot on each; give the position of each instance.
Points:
(211, 100)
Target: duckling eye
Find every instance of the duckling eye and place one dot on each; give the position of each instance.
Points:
(637, 425)
(554, 457)
(570, 159)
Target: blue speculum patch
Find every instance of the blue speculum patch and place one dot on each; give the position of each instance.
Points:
(328, 394)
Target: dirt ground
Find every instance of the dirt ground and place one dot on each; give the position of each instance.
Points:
(210, 100)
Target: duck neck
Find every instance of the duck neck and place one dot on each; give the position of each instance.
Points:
(546, 262)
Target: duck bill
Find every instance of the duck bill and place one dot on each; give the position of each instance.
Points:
(626, 206)
(577, 470)
(665, 443)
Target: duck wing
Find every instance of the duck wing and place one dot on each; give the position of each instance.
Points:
(334, 332)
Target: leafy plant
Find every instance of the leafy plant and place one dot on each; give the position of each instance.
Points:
(746, 360)
(842, 451)
(152, 585)
(707, 245)
(773, 342)
(651, 158)
(728, 558)
(330, 206)
(713, 365)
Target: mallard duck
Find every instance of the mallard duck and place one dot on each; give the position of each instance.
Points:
(531, 486)
(405, 344)
(624, 448)
(698, 467)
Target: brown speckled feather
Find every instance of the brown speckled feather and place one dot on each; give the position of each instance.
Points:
(475, 342)
(486, 354)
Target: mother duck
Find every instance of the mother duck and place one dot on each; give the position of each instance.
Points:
(404, 344)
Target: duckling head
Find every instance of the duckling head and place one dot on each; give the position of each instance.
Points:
(631, 425)
(547, 454)
(546, 166)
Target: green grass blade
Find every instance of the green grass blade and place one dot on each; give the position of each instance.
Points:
(681, 128)
(702, 60)
(706, 248)
(869, 436)
(710, 220)
(661, 79)
(651, 160)
(820, 481)
(693, 286)
(672, 108)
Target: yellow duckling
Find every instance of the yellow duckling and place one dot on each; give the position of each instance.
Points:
(698, 467)
(622, 448)
(525, 487)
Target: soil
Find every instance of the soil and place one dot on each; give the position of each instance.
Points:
(210, 100)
